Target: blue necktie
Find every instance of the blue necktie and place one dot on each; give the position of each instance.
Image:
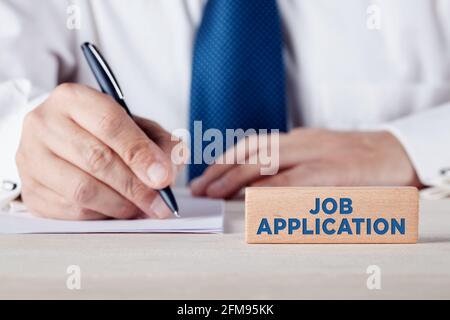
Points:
(238, 77)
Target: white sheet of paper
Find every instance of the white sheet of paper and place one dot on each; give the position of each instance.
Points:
(198, 216)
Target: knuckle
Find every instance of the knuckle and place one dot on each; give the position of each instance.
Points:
(25, 170)
(99, 158)
(29, 120)
(33, 118)
(65, 90)
(233, 176)
(126, 211)
(28, 185)
(35, 127)
(136, 189)
(137, 151)
(20, 159)
(77, 212)
(283, 180)
(81, 213)
(84, 192)
(64, 96)
(111, 123)
(240, 172)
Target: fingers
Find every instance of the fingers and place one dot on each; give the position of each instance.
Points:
(46, 203)
(229, 160)
(233, 181)
(157, 134)
(299, 176)
(82, 146)
(254, 157)
(95, 158)
(77, 187)
(169, 144)
(200, 185)
(320, 173)
(106, 120)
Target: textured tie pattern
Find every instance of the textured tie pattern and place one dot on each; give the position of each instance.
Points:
(238, 77)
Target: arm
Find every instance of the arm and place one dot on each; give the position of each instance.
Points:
(409, 151)
(80, 156)
(312, 157)
(426, 138)
(31, 65)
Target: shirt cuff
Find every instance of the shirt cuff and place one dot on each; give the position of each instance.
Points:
(425, 137)
(15, 103)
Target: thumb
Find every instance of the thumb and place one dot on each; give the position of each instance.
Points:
(175, 148)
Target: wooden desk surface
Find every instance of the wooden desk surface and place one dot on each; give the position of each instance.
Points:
(224, 267)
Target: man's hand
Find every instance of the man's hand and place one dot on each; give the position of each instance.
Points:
(81, 157)
(313, 157)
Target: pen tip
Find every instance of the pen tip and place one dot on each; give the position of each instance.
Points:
(176, 214)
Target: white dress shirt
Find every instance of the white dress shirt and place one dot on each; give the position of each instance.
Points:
(352, 64)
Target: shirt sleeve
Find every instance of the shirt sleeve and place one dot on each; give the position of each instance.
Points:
(426, 138)
(36, 53)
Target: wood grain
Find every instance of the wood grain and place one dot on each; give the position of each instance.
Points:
(221, 267)
(367, 202)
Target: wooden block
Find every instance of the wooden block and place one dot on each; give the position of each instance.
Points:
(346, 215)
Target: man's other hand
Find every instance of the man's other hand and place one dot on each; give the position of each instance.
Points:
(315, 157)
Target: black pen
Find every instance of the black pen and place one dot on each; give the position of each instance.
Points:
(110, 86)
